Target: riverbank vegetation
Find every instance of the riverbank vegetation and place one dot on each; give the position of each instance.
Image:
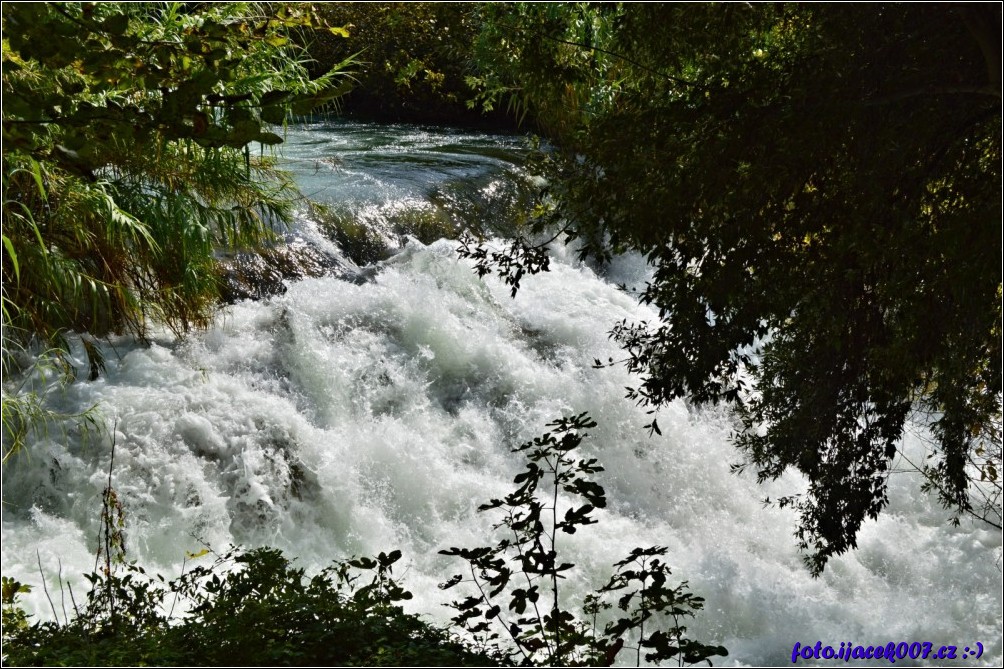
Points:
(127, 165)
(250, 608)
(416, 61)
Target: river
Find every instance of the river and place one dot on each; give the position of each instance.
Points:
(352, 417)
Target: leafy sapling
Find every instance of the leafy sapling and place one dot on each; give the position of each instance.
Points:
(653, 597)
(538, 624)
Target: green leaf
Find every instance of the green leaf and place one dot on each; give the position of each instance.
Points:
(116, 24)
(12, 254)
(268, 138)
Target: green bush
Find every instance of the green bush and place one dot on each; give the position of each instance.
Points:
(248, 608)
(127, 161)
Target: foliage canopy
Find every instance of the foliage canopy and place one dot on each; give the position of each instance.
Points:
(126, 158)
(818, 189)
(127, 164)
(416, 57)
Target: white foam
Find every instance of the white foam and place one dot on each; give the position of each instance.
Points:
(342, 418)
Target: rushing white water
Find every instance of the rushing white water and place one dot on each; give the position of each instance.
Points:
(346, 418)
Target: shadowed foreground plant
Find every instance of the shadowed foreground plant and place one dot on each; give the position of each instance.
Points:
(248, 608)
(540, 628)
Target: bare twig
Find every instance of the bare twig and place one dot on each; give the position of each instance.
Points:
(69, 586)
(62, 594)
(45, 589)
(934, 482)
(184, 561)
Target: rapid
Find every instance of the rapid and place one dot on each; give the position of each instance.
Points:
(348, 417)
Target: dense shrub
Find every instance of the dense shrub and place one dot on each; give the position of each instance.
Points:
(248, 608)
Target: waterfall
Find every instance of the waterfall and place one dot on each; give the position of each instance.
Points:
(347, 418)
